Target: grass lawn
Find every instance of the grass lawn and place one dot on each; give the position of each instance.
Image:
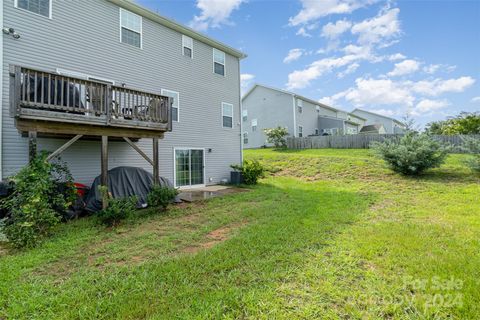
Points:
(330, 234)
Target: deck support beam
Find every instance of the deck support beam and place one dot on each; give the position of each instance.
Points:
(64, 147)
(136, 148)
(104, 169)
(156, 174)
(32, 145)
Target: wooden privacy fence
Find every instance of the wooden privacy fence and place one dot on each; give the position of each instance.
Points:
(363, 141)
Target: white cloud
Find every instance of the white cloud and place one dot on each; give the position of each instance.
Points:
(379, 92)
(396, 56)
(427, 105)
(350, 69)
(404, 67)
(333, 30)
(315, 9)
(214, 13)
(245, 80)
(475, 100)
(303, 32)
(382, 27)
(439, 86)
(293, 54)
(432, 68)
(384, 112)
(301, 78)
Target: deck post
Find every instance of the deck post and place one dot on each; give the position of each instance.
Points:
(156, 178)
(104, 169)
(32, 145)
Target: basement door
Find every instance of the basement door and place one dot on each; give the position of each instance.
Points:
(189, 167)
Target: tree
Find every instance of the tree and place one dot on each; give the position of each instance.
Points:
(464, 123)
(277, 136)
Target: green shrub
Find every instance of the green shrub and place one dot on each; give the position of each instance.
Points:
(161, 197)
(37, 201)
(472, 146)
(277, 136)
(117, 209)
(251, 171)
(412, 154)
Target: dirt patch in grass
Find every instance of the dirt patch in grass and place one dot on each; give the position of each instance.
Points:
(214, 237)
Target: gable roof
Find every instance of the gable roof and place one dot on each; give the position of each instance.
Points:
(292, 94)
(378, 115)
(169, 23)
(371, 128)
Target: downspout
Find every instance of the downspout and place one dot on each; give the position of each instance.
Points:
(240, 118)
(1, 93)
(294, 117)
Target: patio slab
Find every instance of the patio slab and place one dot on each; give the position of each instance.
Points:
(199, 194)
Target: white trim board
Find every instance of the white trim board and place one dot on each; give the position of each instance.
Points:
(1, 92)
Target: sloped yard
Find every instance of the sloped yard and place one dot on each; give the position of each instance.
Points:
(331, 233)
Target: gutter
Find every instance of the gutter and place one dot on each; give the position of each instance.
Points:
(294, 117)
(240, 117)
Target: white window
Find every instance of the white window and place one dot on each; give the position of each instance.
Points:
(227, 115)
(245, 138)
(244, 115)
(187, 46)
(176, 103)
(41, 7)
(300, 131)
(130, 28)
(218, 62)
(316, 131)
(254, 125)
(300, 105)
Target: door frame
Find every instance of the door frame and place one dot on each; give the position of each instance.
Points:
(175, 168)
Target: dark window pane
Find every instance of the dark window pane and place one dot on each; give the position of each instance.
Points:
(37, 6)
(174, 114)
(187, 52)
(131, 37)
(227, 122)
(219, 69)
(197, 166)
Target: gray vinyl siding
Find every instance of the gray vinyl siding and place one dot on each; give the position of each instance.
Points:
(271, 108)
(84, 36)
(307, 119)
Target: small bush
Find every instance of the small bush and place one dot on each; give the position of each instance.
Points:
(472, 146)
(277, 136)
(36, 204)
(161, 197)
(251, 171)
(117, 209)
(412, 154)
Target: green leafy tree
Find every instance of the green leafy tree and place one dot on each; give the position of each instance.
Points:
(36, 204)
(277, 136)
(464, 123)
(412, 154)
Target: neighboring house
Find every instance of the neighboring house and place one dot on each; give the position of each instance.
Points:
(390, 125)
(373, 129)
(266, 107)
(96, 51)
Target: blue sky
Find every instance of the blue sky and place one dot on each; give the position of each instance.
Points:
(391, 57)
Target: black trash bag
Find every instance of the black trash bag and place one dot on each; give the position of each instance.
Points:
(124, 182)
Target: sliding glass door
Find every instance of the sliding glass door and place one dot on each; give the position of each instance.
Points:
(189, 167)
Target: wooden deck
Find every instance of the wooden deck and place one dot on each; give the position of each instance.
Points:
(48, 102)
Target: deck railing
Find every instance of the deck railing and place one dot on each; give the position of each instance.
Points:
(59, 96)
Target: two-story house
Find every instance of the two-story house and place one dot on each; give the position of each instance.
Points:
(100, 80)
(266, 107)
(378, 123)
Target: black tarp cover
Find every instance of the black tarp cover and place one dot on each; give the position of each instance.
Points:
(124, 182)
